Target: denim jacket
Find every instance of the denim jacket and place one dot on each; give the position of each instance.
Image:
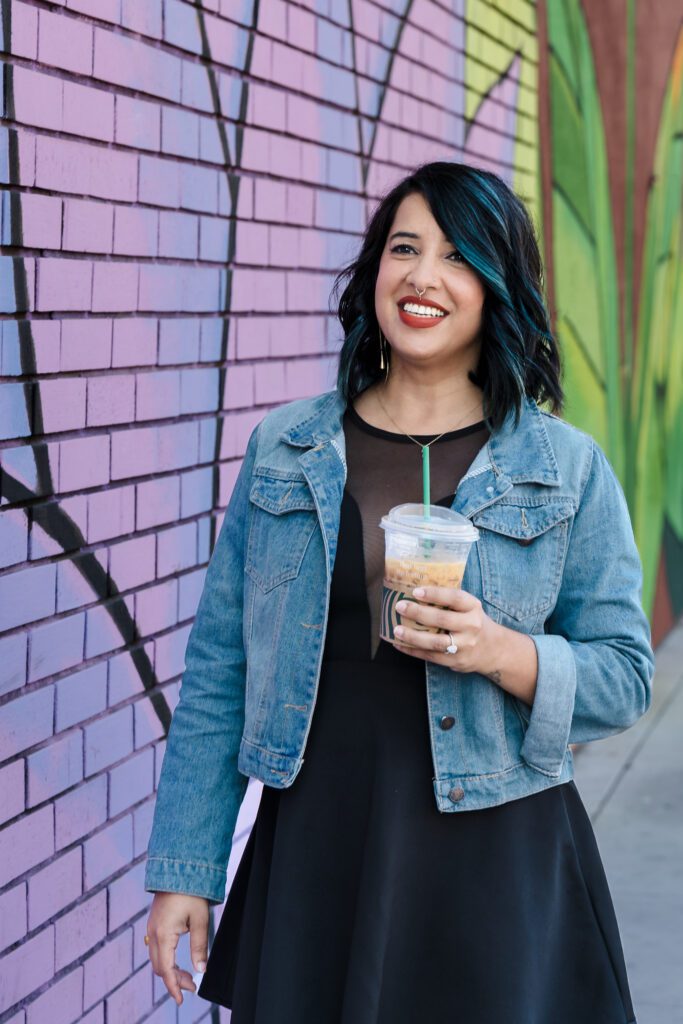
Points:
(556, 559)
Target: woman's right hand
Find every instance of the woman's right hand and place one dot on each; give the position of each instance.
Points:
(172, 914)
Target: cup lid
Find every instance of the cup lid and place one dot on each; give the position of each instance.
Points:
(443, 523)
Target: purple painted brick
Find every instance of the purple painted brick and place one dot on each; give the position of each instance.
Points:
(62, 403)
(25, 721)
(142, 18)
(213, 239)
(135, 341)
(134, 999)
(142, 826)
(88, 112)
(195, 87)
(13, 923)
(24, 31)
(101, 633)
(56, 646)
(108, 851)
(108, 967)
(138, 123)
(63, 284)
(80, 811)
(15, 410)
(198, 188)
(196, 492)
(12, 788)
(181, 26)
(53, 888)
(83, 462)
(156, 608)
(161, 288)
(133, 561)
(115, 287)
(176, 549)
(65, 42)
(211, 147)
(158, 395)
(86, 344)
(179, 340)
(127, 898)
(190, 590)
(81, 696)
(80, 929)
(87, 225)
(37, 98)
(179, 131)
(62, 1003)
(198, 390)
(106, 10)
(73, 589)
(55, 768)
(41, 222)
(131, 782)
(26, 843)
(154, 449)
(111, 399)
(178, 235)
(239, 387)
(27, 968)
(135, 231)
(133, 63)
(147, 724)
(96, 1015)
(170, 654)
(158, 501)
(159, 181)
(108, 740)
(82, 168)
(13, 539)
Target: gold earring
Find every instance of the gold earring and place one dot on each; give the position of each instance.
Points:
(383, 359)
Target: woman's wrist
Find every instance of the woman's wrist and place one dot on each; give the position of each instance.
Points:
(511, 661)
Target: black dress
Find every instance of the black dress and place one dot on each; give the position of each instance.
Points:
(356, 901)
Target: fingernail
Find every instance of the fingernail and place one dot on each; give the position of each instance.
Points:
(201, 966)
(401, 606)
(419, 592)
(399, 631)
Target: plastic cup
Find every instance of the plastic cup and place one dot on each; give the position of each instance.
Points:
(421, 552)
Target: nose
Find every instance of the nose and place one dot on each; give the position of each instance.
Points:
(423, 274)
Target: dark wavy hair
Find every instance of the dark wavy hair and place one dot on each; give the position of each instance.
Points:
(490, 226)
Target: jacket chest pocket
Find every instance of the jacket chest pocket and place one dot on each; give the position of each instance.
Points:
(521, 551)
(282, 520)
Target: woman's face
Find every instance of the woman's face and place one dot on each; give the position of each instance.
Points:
(418, 256)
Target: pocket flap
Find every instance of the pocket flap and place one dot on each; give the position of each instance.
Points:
(279, 496)
(524, 522)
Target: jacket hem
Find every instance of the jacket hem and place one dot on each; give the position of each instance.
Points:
(165, 874)
(477, 792)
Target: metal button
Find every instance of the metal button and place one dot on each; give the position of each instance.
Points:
(456, 794)
(447, 722)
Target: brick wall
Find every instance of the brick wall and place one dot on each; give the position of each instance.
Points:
(179, 184)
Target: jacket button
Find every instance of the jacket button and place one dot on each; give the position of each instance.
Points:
(456, 794)
(447, 722)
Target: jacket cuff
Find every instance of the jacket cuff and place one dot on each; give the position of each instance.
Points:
(545, 743)
(192, 879)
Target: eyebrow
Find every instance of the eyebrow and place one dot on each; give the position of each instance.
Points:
(411, 234)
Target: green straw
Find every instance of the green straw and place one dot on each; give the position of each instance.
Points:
(425, 482)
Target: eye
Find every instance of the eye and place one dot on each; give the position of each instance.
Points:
(403, 245)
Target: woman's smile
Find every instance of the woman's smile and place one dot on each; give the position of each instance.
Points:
(416, 313)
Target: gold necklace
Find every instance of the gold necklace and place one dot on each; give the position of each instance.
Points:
(422, 446)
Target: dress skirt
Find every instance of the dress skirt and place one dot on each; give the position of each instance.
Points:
(357, 902)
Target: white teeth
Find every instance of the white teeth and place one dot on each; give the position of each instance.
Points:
(419, 310)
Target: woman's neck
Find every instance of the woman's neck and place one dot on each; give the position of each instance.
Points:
(420, 410)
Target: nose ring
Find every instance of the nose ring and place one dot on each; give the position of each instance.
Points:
(420, 293)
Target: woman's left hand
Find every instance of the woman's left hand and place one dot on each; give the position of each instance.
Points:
(459, 613)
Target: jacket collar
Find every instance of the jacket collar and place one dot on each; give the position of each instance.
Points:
(514, 455)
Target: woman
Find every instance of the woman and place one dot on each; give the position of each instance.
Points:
(430, 859)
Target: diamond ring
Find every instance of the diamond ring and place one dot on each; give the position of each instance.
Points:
(452, 647)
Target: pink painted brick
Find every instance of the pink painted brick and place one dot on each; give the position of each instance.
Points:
(41, 222)
(158, 395)
(181, 26)
(115, 287)
(132, 63)
(258, 290)
(108, 967)
(142, 18)
(61, 1004)
(179, 131)
(253, 338)
(106, 10)
(148, 727)
(154, 449)
(83, 462)
(251, 243)
(198, 390)
(37, 98)
(269, 381)
(65, 42)
(88, 112)
(102, 633)
(239, 387)
(178, 235)
(156, 608)
(108, 740)
(86, 344)
(138, 123)
(161, 288)
(54, 768)
(80, 812)
(24, 31)
(26, 843)
(158, 501)
(56, 646)
(127, 898)
(81, 696)
(179, 340)
(190, 589)
(124, 678)
(26, 144)
(213, 239)
(135, 341)
(73, 588)
(176, 549)
(159, 181)
(131, 782)
(108, 851)
(53, 888)
(62, 404)
(111, 399)
(133, 561)
(96, 1016)
(134, 999)
(135, 231)
(26, 968)
(198, 188)
(196, 492)
(170, 661)
(64, 284)
(211, 147)
(13, 649)
(26, 720)
(13, 539)
(85, 168)
(12, 788)
(80, 930)
(13, 920)
(142, 827)
(196, 87)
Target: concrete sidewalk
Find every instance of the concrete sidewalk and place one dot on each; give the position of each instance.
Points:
(632, 786)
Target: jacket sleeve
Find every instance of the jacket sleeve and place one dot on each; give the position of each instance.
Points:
(595, 661)
(200, 788)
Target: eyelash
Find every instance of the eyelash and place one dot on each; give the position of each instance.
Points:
(404, 245)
